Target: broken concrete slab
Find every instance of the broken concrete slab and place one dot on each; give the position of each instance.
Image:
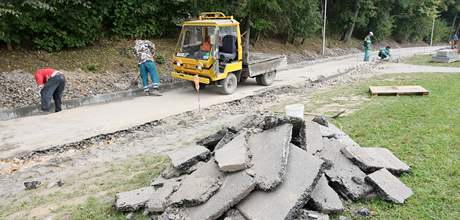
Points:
(184, 158)
(321, 119)
(133, 200)
(211, 140)
(235, 187)
(331, 131)
(270, 150)
(313, 136)
(209, 169)
(159, 200)
(370, 159)
(324, 199)
(389, 186)
(312, 215)
(256, 123)
(234, 155)
(194, 191)
(286, 201)
(298, 127)
(227, 138)
(171, 172)
(345, 177)
(234, 214)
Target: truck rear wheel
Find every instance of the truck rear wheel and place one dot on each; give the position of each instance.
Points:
(266, 79)
(229, 84)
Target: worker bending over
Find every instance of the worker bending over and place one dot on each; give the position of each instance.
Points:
(145, 53)
(51, 84)
(384, 53)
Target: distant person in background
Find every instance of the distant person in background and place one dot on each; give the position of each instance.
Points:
(51, 84)
(145, 53)
(384, 53)
(454, 40)
(367, 44)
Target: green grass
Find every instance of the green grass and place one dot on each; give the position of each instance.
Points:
(89, 195)
(424, 132)
(426, 60)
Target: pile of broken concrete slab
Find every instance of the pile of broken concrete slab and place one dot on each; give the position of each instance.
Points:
(269, 167)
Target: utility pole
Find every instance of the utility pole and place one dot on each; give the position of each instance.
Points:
(432, 31)
(324, 28)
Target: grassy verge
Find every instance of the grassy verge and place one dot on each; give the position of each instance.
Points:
(423, 132)
(87, 195)
(426, 60)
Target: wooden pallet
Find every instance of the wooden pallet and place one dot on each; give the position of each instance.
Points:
(397, 90)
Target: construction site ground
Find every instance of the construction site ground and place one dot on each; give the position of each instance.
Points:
(103, 149)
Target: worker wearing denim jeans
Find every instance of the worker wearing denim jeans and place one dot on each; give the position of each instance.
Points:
(367, 44)
(51, 84)
(145, 52)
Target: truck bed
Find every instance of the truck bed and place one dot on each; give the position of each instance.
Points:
(260, 63)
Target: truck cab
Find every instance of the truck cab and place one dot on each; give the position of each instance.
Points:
(210, 48)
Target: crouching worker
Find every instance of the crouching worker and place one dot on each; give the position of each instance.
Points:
(51, 84)
(384, 53)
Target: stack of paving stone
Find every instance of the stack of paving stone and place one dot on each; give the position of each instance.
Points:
(445, 56)
(269, 167)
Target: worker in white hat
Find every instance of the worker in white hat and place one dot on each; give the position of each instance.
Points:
(367, 44)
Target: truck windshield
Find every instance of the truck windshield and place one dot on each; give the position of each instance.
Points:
(196, 42)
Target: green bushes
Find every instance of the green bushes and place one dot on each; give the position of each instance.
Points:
(57, 24)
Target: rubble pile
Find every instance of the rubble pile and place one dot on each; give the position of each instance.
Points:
(269, 167)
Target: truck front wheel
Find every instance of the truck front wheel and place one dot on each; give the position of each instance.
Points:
(266, 79)
(229, 84)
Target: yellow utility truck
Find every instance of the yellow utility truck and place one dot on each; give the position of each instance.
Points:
(211, 48)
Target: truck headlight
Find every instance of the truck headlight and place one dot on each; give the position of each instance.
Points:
(199, 66)
(178, 63)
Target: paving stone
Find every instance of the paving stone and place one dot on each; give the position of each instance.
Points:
(370, 159)
(312, 215)
(195, 191)
(286, 201)
(324, 199)
(389, 186)
(133, 200)
(234, 214)
(159, 200)
(234, 155)
(345, 177)
(184, 158)
(313, 136)
(235, 187)
(270, 151)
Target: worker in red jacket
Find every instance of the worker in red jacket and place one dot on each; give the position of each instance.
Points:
(51, 83)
